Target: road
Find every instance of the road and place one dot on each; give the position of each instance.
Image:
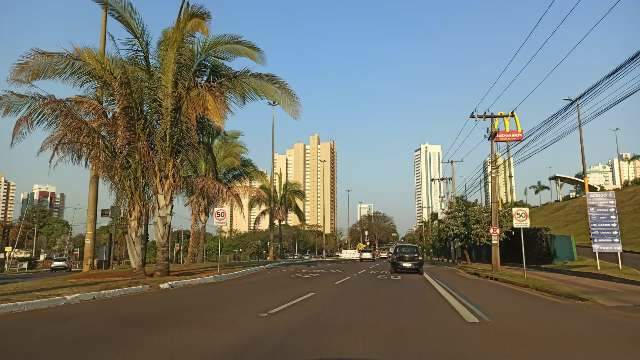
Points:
(327, 310)
(26, 276)
(628, 259)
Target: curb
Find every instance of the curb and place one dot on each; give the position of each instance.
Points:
(214, 278)
(69, 299)
(588, 275)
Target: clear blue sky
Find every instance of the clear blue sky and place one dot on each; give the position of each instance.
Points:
(379, 78)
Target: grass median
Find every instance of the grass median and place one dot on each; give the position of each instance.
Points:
(589, 266)
(99, 280)
(514, 276)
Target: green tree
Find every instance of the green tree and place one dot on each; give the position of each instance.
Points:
(379, 226)
(286, 197)
(538, 189)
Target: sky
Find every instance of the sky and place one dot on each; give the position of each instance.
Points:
(378, 77)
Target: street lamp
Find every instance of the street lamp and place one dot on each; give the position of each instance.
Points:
(584, 161)
(348, 219)
(615, 132)
(324, 231)
(273, 105)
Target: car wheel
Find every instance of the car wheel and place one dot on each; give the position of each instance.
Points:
(420, 270)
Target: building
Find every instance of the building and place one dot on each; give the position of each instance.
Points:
(46, 196)
(7, 201)
(429, 189)
(601, 175)
(243, 219)
(364, 210)
(304, 164)
(505, 178)
(624, 169)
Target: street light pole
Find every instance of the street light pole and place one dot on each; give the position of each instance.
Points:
(273, 105)
(550, 186)
(582, 157)
(615, 132)
(324, 223)
(348, 219)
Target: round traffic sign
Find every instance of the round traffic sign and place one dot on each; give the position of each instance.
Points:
(521, 215)
(220, 214)
(494, 230)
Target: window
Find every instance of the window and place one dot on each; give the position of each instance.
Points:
(406, 250)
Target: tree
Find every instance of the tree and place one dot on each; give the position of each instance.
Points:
(140, 121)
(538, 189)
(379, 226)
(286, 198)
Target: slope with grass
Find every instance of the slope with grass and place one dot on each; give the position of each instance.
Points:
(570, 218)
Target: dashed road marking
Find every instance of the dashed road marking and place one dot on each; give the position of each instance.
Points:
(339, 281)
(284, 306)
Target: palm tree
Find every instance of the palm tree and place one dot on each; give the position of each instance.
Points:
(538, 189)
(286, 197)
(526, 196)
(181, 79)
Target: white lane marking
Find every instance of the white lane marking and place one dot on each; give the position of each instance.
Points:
(463, 311)
(339, 281)
(361, 271)
(282, 307)
(465, 302)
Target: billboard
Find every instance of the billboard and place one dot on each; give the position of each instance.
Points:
(603, 222)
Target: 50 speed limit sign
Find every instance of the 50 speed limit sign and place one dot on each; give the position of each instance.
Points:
(221, 216)
(521, 217)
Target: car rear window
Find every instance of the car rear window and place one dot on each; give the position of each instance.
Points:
(406, 250)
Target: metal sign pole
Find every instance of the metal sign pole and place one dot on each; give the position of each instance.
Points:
(219, 248)
(619, 261)
(597, 260)
(524, 261)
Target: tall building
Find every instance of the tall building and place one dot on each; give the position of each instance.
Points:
(505, 178)
(46, 196)
(304, 164)
(624, 169)
(601, 176)
(429, 190)
(7, 200)
(364, 210)
(244, 219)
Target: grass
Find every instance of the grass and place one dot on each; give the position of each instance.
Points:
(99, 280)
(570, 218)
(589, 265)
(515, 277)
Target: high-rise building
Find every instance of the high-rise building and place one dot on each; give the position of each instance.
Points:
(429, 189)
(601, 176)
(304, 164)
(624, 169)
(364, 210)
(45, 196)
(244, 219)
(505, 178)
(7, 200)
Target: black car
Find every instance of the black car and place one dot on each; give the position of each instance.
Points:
(406, 257)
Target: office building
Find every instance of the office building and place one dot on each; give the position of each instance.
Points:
(429, 186)
(7, 199)
(304, 164)
(624, 169)
(45, 196)
(505, 179)
(601, 176)
(364, 210)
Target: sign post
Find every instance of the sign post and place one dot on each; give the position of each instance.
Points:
(604, 224)
(221, 218)
(521, 220)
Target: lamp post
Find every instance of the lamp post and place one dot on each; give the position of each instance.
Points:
(273, 105)
(550, 186)
(348, 219)
(615, 132)
(582, 157)
(324, 223)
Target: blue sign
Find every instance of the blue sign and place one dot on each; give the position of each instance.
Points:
(603, 222)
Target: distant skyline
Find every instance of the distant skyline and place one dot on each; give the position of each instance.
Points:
(377, 78)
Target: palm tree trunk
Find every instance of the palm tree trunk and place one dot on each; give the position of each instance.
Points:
(280, 235)
(134, 240)
(194, 241)
(164, 207)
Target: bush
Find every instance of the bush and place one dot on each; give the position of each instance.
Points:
(537, 244)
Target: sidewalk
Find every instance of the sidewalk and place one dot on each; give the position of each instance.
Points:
(603, 292)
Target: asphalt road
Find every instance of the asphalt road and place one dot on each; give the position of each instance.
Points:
(628, 259)
(327, 311)
(26, 276)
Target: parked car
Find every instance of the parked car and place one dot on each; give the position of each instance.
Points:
(383, 254)
(367, 254)
(406, 257)
(306, 257)
(60, 264)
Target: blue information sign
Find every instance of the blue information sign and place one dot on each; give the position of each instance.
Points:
(603, 222)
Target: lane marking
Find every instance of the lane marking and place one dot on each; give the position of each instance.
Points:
(339, 281)
(463, 311)
(361, 271)
(284, 306)
(464, 301)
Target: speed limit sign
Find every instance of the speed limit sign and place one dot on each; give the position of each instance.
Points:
(221, 216)
(521, 217)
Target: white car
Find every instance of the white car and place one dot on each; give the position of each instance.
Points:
(383, 254)
(60, 264)
(367, 255)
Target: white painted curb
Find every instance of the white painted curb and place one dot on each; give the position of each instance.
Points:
(215, 278)
(69, 299)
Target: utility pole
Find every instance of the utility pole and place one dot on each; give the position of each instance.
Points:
(324, 231)
(582, 157)
(550, 186)
(495, 203)
(181, 245)
(273, 105)
(35, 238)
(511, 189)
(615, 132)
(94, 178)
(348, 219)
(453, 174)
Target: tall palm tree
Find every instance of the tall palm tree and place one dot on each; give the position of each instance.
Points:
(285, 197)
(538, 189)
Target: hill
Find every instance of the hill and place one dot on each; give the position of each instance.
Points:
(570, 218)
